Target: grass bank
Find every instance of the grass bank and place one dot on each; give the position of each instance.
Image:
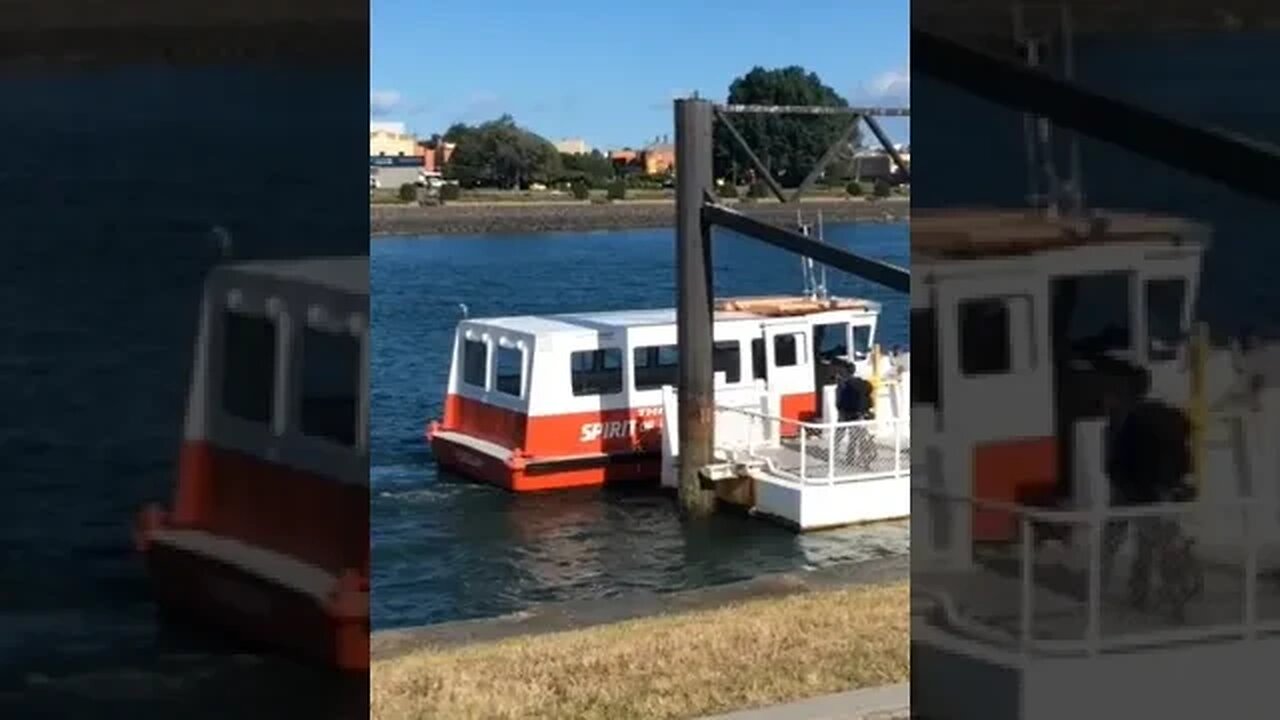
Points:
(747, 654)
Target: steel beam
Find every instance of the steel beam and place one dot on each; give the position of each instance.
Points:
(826, 158)
(694, 314)
(1243, 165)
(760, 167)
(887, 144)
(882, 273)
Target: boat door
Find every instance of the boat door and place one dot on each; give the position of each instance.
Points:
(788, 368)
(992, 352)
(1166, 300)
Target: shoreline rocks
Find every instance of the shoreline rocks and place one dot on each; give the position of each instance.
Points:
(498, 218)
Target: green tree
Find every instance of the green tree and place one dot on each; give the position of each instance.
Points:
(500, 153)
(789, 145)
(593, 168)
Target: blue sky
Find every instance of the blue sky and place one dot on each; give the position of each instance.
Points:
(607, 70)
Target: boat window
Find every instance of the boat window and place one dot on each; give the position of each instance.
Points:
(330, 385)
(832, 340)
(596, 372)
(924, 355)
(759, 366)
(248, 366)
(655, 366)
(788, 351)
(509, 371)
(985, 345)
(861, 341)
(475, 363)
(1097, 310)
(726, 357)
(1165, 300)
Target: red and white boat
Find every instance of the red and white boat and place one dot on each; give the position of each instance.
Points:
(558, 401)
(267, 535)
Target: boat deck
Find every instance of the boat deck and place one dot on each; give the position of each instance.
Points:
(869, 458)
(989, 595)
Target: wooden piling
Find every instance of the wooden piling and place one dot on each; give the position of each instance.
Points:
(694, 311)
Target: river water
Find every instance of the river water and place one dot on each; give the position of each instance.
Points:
(445, 548)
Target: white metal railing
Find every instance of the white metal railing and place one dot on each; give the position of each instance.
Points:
(1095, 520)
(816, 453)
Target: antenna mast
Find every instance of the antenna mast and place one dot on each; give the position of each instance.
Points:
(1040, 44)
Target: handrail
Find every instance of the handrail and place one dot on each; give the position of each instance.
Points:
(814, 470)
(1096, 518)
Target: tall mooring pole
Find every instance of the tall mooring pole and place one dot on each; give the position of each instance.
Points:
(694, 310)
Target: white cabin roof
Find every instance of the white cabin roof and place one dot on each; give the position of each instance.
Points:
(611, 321)
(345, 274)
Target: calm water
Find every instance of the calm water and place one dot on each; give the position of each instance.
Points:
(100, 275)
(445, 548)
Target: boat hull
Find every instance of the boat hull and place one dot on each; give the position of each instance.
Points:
(258, 611)
(537, 475)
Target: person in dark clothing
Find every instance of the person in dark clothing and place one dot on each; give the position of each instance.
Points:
(853, 403)
(1147, 462)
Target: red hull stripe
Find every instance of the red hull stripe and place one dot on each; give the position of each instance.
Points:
(608, 432)
(293, 512)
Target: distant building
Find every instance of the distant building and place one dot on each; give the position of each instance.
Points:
(435, 154)
(659, 158)
(873, 164)
(387, 139)
(624, 157)
(573, 146)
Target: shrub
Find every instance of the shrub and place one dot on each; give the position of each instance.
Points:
(450, 192)
(580, 190)
(882, 188)
(758, 190)
(408, 192)
(617, 190)
(728, 190)
(854, 188)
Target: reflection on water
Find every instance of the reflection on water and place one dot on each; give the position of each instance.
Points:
(446, 548)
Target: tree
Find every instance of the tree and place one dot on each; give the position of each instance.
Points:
(500, 153)
(593, 168)
(789, 145)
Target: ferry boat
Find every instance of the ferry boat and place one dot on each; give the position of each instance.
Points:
(267, 534)
(557, 401)
(1014, 305)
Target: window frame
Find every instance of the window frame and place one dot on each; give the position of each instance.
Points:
(279, 328)
(521, 377)
(603, 353)
(464, 377)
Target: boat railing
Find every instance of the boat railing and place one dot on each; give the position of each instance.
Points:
(816, 453)
(1198, 591)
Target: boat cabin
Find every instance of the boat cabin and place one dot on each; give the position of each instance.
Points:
(272, 485)
(539, 402)
(1015, 306)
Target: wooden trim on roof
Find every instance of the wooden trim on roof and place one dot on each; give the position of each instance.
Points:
(788, 306)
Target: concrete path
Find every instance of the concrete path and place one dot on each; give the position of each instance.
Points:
(891, 702)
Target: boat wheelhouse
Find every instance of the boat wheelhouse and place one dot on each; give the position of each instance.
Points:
(558, 401)
(267, 534)
(1025, 309)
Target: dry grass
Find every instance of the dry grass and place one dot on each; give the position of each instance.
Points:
(756, 653)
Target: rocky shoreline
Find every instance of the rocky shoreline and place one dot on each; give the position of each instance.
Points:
(480, 218)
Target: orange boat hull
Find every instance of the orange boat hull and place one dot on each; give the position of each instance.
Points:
(260, 612)
(551, 474)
